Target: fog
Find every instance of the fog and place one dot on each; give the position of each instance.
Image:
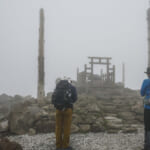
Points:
(74, 30)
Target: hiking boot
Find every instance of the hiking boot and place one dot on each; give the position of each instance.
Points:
(68, 148)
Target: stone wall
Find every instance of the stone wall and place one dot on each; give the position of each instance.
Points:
(91, 114)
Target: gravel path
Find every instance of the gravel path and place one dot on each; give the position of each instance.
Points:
(89, 141)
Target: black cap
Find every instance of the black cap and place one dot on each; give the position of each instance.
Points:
(148, 70)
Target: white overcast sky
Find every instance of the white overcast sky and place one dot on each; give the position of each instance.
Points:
(74, 30)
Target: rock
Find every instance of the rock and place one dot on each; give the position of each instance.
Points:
(2, 117)
(100, 121)
(113, 123)
(45, 126)
(32, 131)
(76, 119)
(22, 118)
(110, 114)
(127, 115)
(4, 126)
(139, 118)
(97, 128)
(130, 130)
(112, 131)
(114, 126)
(44, 114)
(74, 128)
(93, 108)
(51, 107)
(112, 119)
(109, 109)
(52, 116)
(138, 108)
(46, 108)
(84, 128)
(5, 144)
(88, 120)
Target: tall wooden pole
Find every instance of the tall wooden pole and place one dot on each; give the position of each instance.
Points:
(148, 21)
(41, 74)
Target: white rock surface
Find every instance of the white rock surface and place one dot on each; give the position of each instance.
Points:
(89, 141)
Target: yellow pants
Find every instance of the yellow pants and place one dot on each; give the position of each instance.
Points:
(63, 127)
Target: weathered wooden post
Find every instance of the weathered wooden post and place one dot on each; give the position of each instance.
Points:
(41, 75)
(148, 21)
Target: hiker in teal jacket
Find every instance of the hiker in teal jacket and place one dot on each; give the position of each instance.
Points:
(145, 91)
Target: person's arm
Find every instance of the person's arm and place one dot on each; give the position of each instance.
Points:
(74, 94)
(143, 88)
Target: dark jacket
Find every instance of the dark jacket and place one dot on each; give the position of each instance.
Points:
(73, 99)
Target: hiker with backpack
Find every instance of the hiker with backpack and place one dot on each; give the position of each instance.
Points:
(63, 98)
(145, 91)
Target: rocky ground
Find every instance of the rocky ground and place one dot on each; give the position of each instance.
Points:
(100, 122)
(87, 141)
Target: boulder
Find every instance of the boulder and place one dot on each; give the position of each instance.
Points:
(4, 126)
(23, 117)
(84, 128)
(90, 119)
(97, 128)
(113, 123)
(127, 115)
(129, 130)
(44, 126)
(32, 131)
(76, 119)
(74, 128)
(112, 119)
(5, 144)
(93, 108)
(52, 116)
(138, 108)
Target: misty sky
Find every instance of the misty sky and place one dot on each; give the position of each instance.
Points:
(74, 30)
